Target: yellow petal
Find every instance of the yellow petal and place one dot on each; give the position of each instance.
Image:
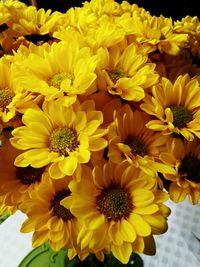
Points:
(68, 165)
(127, 231)
(142, 228)
(123, 252)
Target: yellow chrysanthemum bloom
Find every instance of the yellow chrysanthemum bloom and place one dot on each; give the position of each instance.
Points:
(154, 31)
(191, 26)
(130, 139)
(103, 7)
(12, 99)
(65, 71)
(16, 183)
(47, 218)
(120, 209)
(125, 73)
(184, 157)
(33, 22)
(176, 107)
(59, 136)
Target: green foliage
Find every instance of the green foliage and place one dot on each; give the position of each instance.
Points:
(3, 217)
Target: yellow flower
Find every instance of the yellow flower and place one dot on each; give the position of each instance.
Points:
(65, 71)
(191, 26)
(176, 107)
(49, 220)
(59, 136)
(125, 73)
(16, 183)
(33, 22)
(12, 99)
(106, 34)
(120, 209)
(184, 157)
(130, 139)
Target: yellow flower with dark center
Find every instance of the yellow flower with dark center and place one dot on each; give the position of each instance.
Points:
(118, 208)
(175, 107)
(47, 218)
(60, 137)
(130, 139)
(16, 183)
(126, 72)
(184, 157)
(63, 70)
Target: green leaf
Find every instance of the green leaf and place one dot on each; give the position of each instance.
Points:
(3, 217)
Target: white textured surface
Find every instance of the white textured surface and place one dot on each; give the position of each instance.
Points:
(14, 246)
(176, 248)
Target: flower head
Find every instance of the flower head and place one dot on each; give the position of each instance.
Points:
(117, 208)
(52, 222)
(59, 136)
(176, 107)
(63, 71)
(184, 157)
(130, 139)
(126, 73)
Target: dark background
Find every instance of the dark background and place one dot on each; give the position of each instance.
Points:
(169, 8)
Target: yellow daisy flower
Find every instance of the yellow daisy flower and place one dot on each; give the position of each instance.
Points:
(65, 71)
(37, 25)
(130, 139)
(176, 107)
(106, 34)
(120, 209)
(16, 183)
(184, 157)
(103, 7)
(125, 73)
(47, 218)
(12, 99)
(60, 136)
(191, 26)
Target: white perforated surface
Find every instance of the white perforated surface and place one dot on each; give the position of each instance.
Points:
(177, 248)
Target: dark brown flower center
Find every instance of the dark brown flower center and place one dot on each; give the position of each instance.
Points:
(29, 175)
(181, 116)
(58, 209)
(114, 202)
(116, 74)
(62, 139)
(6, 97)
(191, 167)
(137, 147)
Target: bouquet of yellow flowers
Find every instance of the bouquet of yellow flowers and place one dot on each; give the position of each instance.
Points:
(99, 122)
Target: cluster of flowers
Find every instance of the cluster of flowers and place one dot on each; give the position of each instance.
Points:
(100, 123)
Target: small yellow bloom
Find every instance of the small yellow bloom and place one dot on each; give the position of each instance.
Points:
(59, 136)
(120, 209)
(184, 157)
(125, 73)
(130, 139)
(63, 71)
(176, 107)
(47, 218)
